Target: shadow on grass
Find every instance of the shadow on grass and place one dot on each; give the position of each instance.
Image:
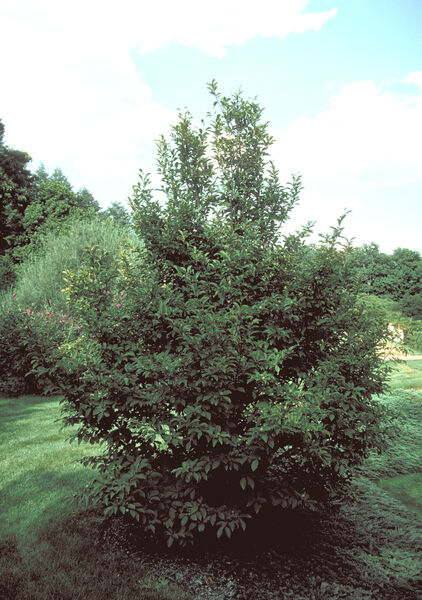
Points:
(53, 550)
(359, 552)
(406, 488)
(68, 562)
(24, 407)
(287, 531)
(406, 375)
(36, 495)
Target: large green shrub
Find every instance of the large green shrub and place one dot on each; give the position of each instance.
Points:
(226, 371)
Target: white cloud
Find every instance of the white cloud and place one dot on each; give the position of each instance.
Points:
(415, 77)
(364, 147)
(72, 98)
(70, 93)
(212, 26)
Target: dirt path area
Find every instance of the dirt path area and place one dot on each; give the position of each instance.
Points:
(403, 357)
(393, 352)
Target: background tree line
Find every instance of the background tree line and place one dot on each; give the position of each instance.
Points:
(33, 205)
(396, 276)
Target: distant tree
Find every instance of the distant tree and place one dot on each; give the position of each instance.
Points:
(53, 207)
(411, 304)
(374, 270)
(119, 214)
(397, 276)
(32, 205)
(16, 193)
(86, 201)
(408, 268)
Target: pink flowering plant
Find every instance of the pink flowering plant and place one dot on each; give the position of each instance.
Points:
(30, 338)
(15, 363)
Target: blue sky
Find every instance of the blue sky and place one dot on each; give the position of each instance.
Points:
(88, 87)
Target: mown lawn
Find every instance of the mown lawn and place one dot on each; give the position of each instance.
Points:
(407, 375)
(407, 488)
(52, 549)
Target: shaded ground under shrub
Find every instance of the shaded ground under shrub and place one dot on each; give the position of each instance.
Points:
(371, 549)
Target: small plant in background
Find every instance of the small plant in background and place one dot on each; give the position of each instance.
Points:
(40, 278)
(15, 362)
(29, 341)
(405, 331)
(226, 370)
(414, 337)
(31, 316)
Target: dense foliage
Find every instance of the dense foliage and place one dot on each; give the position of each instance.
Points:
(32, 205)
(226, 370)
(396, 276)
(34, 317)
(16, 189)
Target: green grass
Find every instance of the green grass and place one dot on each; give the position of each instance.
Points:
(407, 375)
(49, 547)
(39, 470)
(406, 488)
(52, 549)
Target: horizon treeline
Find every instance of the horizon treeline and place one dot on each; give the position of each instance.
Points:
(35, 204)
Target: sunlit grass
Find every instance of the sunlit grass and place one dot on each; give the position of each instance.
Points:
(51, 549)
(406, 375)
(39, 470)
(406, 488)
(49, 546)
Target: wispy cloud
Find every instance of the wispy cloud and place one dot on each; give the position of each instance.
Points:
(213, 26)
